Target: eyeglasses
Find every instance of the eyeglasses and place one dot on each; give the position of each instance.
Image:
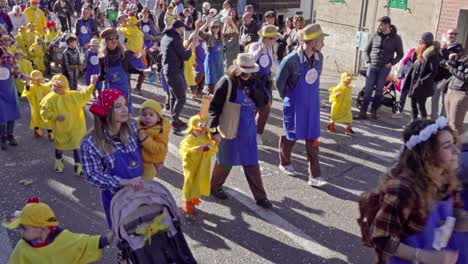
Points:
(215, 27)
(452, 33)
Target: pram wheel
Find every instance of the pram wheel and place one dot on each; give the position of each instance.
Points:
(395, 107)
(360, 98)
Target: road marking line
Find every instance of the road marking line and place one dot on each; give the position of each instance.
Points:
(5, 246)
(284, 226)
(274, 219)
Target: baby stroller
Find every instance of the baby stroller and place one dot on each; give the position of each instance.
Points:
(148, 209)
(55, 50)
(388, 98)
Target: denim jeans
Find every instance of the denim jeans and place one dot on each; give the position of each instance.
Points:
(376, 77)
(435, 103)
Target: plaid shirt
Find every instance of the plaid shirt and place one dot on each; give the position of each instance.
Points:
(399, 216)
(6, 58)
(98, 165)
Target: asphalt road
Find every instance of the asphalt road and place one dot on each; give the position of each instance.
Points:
(306, 225)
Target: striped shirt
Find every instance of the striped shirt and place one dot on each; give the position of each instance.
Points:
(98, 165)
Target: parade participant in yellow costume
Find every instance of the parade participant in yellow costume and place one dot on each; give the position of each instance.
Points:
(134, 40)
(38, 53)
(52, 31)
(63, 109)
(29, 38)
(341, 98)
(35, 92)
(36, 16)
(24, 66)
(196, 150)
(153, 134)
(188, 69)
(21, 38)
(43, 241)
(9, 43)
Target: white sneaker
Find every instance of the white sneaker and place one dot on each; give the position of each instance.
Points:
(397, 115)
(288, 169)
(259, 140)
(317, 182)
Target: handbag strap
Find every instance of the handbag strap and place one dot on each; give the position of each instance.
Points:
(228, 95)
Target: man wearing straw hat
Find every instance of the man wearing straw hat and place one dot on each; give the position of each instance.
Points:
(297, 82)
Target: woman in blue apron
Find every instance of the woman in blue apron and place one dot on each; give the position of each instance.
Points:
(116, 65)
(214, 61)
(112, 159)
(148, 28)
(415, 220)
(9, 108)
(264, 54)
(239, 85)
(84, 27)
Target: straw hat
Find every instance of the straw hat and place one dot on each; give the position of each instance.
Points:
(246, 63)
(311, 32)
(269, 31)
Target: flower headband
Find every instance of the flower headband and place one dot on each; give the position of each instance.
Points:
(426, 133)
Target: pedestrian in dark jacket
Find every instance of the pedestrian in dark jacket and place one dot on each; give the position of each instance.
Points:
(384, 50)
(71, 62)
(456, 100)
(64, 11)
(421, 76)
(173, 56)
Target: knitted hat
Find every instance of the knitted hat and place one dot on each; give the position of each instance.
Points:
(153, 105)
(35, 214)
(105, 101)
(428, 38)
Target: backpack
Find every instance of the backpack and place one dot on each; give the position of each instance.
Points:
(369, 205)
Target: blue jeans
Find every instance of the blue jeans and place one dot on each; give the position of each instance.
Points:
(240, 7)
(376, 77)
(435, 103)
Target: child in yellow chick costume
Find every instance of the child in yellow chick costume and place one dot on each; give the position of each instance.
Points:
(35, 92)
(43, 241)
(196, 150)
(341, 98)
(38, 53)
(153, 134)
(52, 31)
(134, 41)
(63, 110)
(29, 38)
(188, 69)
(21, 38)
(25, 67)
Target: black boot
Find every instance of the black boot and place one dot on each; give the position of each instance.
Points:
(11, 139)
(3, 143)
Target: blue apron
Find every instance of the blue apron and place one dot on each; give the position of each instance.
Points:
(9, 108)
(85, 33)
(425, 238)
(200, 57)
(92, 68)
(265, 72)
(137, 63)
(146, 29)
(301, 105)
(243, 149)
(214, 68)
(2, 21)
(126, 166)
(117, 78)
(459, 240)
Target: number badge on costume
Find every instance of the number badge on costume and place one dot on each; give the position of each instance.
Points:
(264, 61)
(94, 60)
(83, 30)
(146, 28)
(311, 76)
(4, 74)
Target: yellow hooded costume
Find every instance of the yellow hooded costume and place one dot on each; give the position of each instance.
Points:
(30, 37)
(188, 69)
(38, 52)
(69, 132)
(134, 35)
(35, 94)
(154, 147)
(196, 159)
(21, 38)
(25, 67)
(50, 35)
(36, 16)
(67, 247)
(341, 98)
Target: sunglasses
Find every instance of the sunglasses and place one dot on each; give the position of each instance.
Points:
(113, 38)
(452, 34)
(215, 27)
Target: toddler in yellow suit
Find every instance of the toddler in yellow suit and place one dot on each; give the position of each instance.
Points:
(63, 110)
(196, 150)
(341, 98)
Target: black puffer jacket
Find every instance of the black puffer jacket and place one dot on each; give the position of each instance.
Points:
(421, 76)
(459, 71)
(173, 53)
(381, 48)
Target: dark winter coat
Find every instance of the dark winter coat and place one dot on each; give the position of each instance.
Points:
(459, 71)
(381, 48)
(421, 76)
(444, 74)
(173, 53)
